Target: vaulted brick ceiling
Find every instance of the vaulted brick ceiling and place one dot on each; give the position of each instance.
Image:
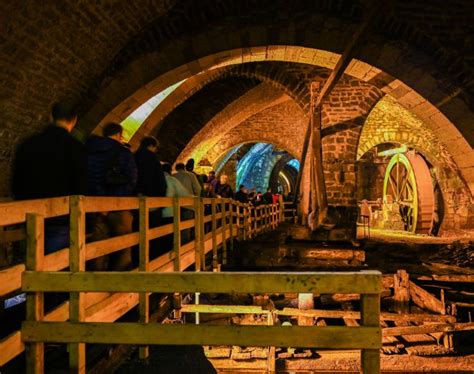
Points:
(101, 53)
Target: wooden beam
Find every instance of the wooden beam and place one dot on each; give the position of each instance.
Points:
(428, 329)
(426, 300)
(35, 301)
(332, 80)
(370, 317)
(176, 233)
(77, 265)
(324, 313)
(368, 282)
(336, 337)
(144, 265)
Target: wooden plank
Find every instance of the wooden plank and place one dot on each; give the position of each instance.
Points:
(77, 265)
(176, 232)
(401, 296)
(15, 212)
(144, 255)
(188, 224)
(370, 316)
(106, 246)
(97, 204)
(186, 201)
(224, 228)
(231, 225)
(231, 309)
(428, 329)
(57, 261)
(11, 346)
(324, 313)
(426, 300)
(337, 337)
(319, 282)
(35, 301)
(9, 236)
(160, 202)
(214, 234)
(160, 231)
(448, 278)
(10, 279)
(198, 238)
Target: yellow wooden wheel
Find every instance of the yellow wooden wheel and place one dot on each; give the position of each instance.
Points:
(408, 183)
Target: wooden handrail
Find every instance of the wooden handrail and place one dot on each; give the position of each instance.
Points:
(105, 306)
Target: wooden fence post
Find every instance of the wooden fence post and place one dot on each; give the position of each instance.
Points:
(214, 235)
(144, 256)
(224, 232)
(176, 234)
(231, 224)
(370, 316)
(198, 238)
(34, 301)
(240, 222)
(77, 263)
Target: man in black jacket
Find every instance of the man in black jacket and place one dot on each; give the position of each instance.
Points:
(51, 164)
(150, 182)
(151, 179)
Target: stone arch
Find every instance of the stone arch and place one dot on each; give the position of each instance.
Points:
(389, 122)
(434, 118)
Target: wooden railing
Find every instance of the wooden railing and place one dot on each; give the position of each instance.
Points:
(78, 330)
(226, 219)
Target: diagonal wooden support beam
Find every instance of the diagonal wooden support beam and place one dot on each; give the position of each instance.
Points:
(332, 80)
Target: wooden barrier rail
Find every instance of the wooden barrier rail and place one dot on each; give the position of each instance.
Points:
(107, 306)
(366, 337)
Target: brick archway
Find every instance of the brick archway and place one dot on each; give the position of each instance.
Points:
(407, 97)
(389, 122)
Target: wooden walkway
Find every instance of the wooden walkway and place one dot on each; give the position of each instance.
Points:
(99, 298)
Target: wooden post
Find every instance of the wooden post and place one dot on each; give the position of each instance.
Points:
(240, 222)
(271, 367)
(224, 230)
(401, 287)
(231, 224)
(256, 221)
(370, 316)
(201, 249)
(176, 234)
(144, 256)
(214, 235)
(77, 263)
(34, 301)
(247, 228)
(198, 237)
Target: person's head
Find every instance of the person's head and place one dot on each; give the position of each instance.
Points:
(203, 178)
(190, 164)
(114, 131)
(269, 190)
(212, 174)
(242, 188)
(150, 143)
(224, 179)
(64, 115)
(179, 166)
(166, 167)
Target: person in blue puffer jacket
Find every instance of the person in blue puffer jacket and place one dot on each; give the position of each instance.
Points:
(111, 171)
(111, 167)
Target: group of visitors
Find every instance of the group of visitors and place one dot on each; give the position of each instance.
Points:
(255, 197)
(53, 163)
